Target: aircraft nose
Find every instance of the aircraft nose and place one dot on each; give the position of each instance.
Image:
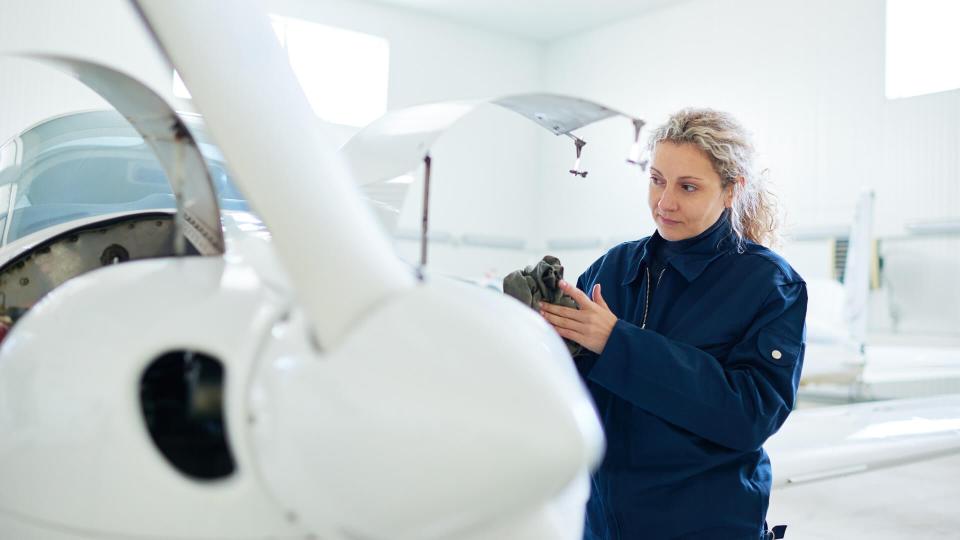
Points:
(445, 410)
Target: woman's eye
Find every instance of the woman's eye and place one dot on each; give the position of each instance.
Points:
(689, 188)
(656, 181)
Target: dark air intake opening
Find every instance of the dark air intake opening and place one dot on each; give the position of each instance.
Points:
(181, 396)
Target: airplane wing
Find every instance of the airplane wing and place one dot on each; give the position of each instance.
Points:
(395, 145)
(829, 442)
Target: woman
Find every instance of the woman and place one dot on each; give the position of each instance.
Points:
(694, 341)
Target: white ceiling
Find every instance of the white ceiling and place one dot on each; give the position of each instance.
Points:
(540, 20)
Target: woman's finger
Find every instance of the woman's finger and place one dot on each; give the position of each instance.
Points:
(563, 322)
(598, 297)
(561, 311)
(578, 296)
(572, 335)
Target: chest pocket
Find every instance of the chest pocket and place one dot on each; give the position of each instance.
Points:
(779, 349)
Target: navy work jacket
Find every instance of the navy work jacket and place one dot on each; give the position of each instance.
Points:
(692, 381)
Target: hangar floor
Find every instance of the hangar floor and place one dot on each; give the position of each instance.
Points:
(914, 501)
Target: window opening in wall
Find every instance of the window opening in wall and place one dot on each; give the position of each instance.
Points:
(343, 73)
(923, 47)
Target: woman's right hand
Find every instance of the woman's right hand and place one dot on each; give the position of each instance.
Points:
(590, 326)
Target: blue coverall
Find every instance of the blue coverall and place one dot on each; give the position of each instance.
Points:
(690, 384)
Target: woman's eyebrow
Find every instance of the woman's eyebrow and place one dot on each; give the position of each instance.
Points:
(685, 177)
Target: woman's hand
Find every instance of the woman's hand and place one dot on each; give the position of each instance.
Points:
(590, 326)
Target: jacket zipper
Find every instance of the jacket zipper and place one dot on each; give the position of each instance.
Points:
(646, 303)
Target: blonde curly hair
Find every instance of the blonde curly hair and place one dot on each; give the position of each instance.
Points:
(754, 214)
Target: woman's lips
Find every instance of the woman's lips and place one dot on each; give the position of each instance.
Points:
(667, 221)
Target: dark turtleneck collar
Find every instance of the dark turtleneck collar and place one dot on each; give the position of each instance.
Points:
(689, 256)
(673, 247)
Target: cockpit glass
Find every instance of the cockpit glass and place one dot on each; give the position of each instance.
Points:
(86, 165)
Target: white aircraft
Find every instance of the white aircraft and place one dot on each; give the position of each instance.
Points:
(841, 361)
(837, 313)
(305, 387)
(164, 377)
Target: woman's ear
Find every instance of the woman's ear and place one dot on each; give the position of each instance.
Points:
(731, 191)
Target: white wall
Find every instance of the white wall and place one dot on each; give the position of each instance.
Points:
(485, 168)
(807, 77)
(105, 30)
(430, 59)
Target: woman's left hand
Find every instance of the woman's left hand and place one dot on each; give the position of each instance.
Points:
(590, 326)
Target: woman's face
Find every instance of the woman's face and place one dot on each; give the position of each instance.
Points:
(686, 196)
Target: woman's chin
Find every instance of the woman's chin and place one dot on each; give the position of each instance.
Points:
(670, 235)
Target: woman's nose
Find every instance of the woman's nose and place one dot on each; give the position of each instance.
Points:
(667, 201)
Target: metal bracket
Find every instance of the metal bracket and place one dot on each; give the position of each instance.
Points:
(635, 150)
(425, 217)
(579, 143)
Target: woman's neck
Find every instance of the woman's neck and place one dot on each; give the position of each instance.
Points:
(680, 245)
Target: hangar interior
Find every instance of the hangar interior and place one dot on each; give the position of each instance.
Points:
(842, 98)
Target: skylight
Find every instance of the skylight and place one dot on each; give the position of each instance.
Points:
(344, 74)
(923, 47)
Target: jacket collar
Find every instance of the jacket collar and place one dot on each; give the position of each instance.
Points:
(693, 260)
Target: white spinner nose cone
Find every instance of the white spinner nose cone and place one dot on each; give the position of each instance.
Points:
(448, 409)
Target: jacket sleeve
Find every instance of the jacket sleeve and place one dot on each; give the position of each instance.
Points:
(737, 403)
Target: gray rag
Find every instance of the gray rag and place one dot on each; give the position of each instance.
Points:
(541, 283)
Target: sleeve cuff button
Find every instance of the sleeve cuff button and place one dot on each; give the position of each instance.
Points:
(776, 354)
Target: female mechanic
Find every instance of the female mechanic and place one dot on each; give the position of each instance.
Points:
(693, 343)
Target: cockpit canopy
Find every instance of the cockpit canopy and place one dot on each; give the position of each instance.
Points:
(90, 164)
